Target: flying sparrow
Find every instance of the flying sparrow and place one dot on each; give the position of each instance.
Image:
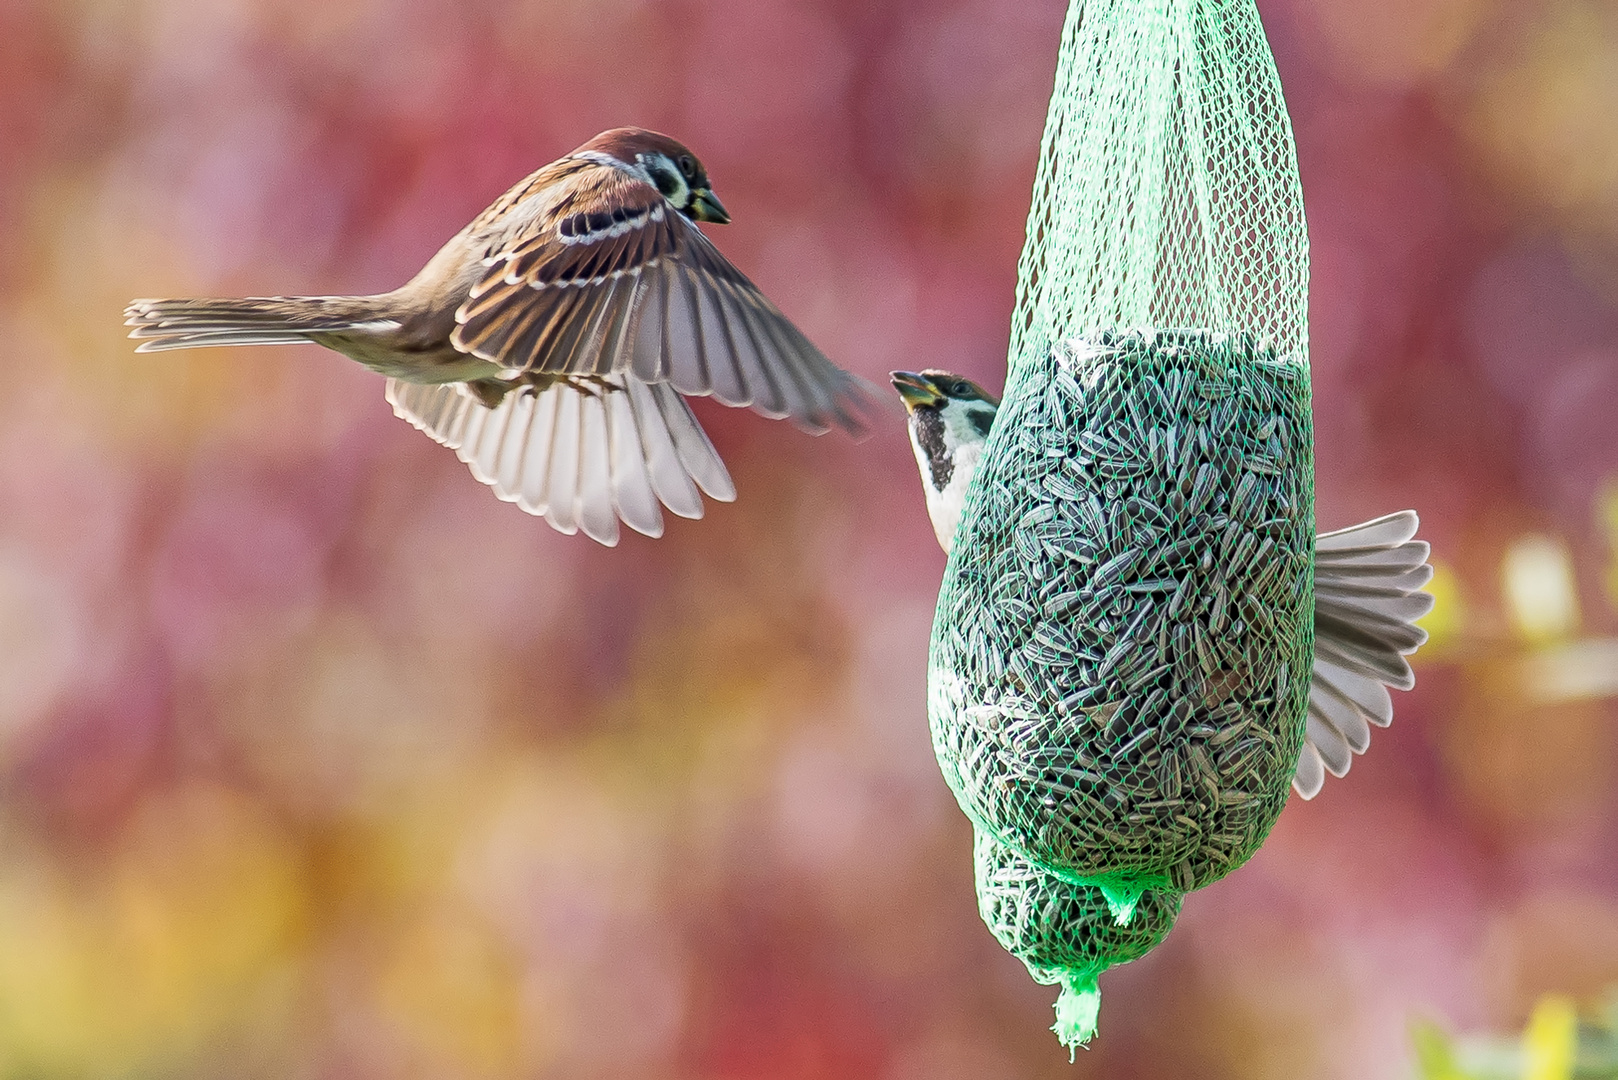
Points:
(1367, 579)
(549, 342)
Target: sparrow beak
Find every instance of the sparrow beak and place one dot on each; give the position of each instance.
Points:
(916, 391)
(705, 206)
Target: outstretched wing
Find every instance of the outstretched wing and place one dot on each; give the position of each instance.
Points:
(1367, 600)
(615, 280)
(582, 458)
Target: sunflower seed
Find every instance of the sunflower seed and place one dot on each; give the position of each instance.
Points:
(1258, 463)
(1145, 678)
(1113, 570)
(1202, 489)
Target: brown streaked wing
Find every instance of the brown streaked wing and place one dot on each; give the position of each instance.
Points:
(563, 265)
(647, 355)
(510, 321)
(752, 348)
(498, 222)
(729, 387)
(618, 329)
(613, 279)
(570, 347)
(825, 390)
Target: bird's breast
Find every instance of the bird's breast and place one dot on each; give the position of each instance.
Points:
(946, 504)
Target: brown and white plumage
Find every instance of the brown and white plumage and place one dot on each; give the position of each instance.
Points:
(1368, 580)
(550, 340)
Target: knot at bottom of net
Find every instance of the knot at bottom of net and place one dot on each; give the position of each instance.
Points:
(1077, 1010)
(1065, 933)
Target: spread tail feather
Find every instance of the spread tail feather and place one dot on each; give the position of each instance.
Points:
(253, 320)
(1367, 601)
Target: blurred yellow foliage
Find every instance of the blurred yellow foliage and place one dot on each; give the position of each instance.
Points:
(450, 990)
(1397, 41)
(1435, 1052)
(1548, 1050)
(1541, 596)
(1546, 118)
(138, 961)
(1551, 1042)
(1446, 621)
(1607, 518)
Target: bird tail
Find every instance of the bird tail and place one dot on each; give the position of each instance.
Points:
(253, 320)
(1368, 598)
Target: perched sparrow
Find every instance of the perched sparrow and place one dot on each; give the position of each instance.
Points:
(1366, 579)
(550, 341)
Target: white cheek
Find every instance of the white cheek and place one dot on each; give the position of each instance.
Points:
(960, 433)
(682, 191)
(945, 507)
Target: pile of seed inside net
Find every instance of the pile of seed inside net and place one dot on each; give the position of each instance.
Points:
(1122, 651)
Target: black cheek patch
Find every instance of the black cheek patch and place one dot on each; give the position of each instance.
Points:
(667, 184)
(930, 437)
(982, 420)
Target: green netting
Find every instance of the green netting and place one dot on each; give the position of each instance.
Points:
(1121, 655)
(1168, 190)
(1065, 934)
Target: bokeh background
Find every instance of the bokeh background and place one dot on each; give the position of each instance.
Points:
(317, 761)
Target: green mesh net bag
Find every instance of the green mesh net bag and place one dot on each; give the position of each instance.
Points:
(1120, 660)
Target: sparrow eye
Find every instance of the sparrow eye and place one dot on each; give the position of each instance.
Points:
(688, 166)
(961, 389)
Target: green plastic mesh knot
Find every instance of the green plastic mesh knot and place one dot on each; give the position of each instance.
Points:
(1066, 935)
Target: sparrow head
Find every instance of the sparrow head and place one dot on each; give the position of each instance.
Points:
(664, 163)
(950, 417)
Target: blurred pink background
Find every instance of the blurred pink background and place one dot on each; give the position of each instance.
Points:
(318, 761)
